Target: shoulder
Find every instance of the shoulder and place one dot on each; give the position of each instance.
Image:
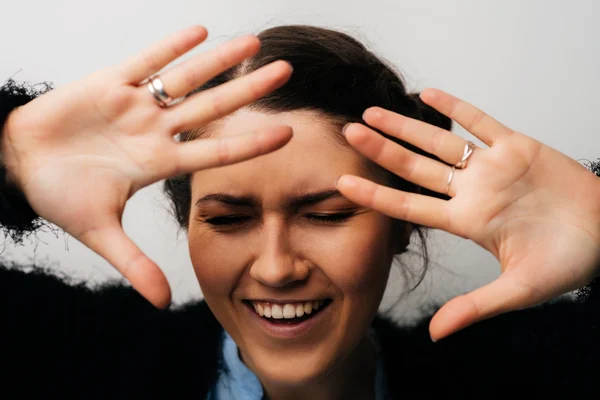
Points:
(70, 339)
(184, 351)
(546, 347)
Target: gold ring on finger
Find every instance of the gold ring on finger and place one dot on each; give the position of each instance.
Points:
(450, 180)
(468, 151)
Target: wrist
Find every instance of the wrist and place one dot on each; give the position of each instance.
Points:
(17, 218)
(13, 95)
(7, 159)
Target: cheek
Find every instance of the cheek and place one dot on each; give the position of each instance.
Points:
(218, 262)
(356, 258)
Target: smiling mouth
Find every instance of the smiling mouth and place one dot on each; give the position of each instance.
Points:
(287, 314)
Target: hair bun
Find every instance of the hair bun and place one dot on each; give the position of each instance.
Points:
(430, 114)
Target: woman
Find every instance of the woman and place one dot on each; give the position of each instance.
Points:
(292, 261)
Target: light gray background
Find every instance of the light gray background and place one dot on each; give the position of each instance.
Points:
(531, 64)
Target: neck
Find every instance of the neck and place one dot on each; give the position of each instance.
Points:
(353, 378)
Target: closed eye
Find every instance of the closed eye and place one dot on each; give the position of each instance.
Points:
(331, 217)
(228, 220)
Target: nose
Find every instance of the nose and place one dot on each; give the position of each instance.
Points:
(276, 264)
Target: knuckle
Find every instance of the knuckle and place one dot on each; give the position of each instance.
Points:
(223, 58)
(180, 46)
(223, 154)
(216, 103)
(379, 147)
(411, 165)
(192, 76)
(405, 211)
(149, 58)
(259, 143)
(135, 261)
(476, 308)
(375, 196)
(475, 120)
(436, 141)
(257, 86)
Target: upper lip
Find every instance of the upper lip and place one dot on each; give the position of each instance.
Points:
(287, 301)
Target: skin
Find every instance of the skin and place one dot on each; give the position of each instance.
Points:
(79, 152)
(532, 207)
(277, 251)
(535, 209)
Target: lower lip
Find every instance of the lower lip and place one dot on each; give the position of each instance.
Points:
(289, 331)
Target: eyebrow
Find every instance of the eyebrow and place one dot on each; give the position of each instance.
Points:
(249, 201)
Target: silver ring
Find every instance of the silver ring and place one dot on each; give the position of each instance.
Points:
(469, 147)
(450, 180)
(157, 90)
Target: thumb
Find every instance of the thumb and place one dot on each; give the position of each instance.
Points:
(117, 248)
(498, 297)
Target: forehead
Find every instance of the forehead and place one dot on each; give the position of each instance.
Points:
(312, 160)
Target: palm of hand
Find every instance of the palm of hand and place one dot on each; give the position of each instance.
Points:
(80, 152)
(90, 157)
(535, 209)
(529, 206)
(92, 163)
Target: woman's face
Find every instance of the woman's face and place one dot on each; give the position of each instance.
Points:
(271, 238)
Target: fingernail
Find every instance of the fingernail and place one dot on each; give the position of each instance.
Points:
(428, 95)
(432, 339)
(371, 113)
(348, 181)
(290, 64)
(346, 127)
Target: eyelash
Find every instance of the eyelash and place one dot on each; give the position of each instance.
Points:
(319, 218)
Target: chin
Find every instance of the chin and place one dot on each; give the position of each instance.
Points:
(292, 369)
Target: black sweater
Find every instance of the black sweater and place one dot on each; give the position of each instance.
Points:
(59, 338)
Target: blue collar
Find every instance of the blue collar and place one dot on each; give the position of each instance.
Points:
(237, 382)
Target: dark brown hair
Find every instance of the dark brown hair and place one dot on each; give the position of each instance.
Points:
(336, 76)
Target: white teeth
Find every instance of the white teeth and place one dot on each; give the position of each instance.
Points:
(289, 311)
(276, 311)
(308, 307)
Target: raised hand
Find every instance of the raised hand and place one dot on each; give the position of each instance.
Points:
(81, 151)
(535, 209)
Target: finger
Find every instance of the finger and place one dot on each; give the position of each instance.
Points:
(500, 296)
(113, 244)
(484, 127)
(413, 167)
(193, 73)
(219, 101)
(156, 57)
(433, 140)
(206, 153)
(411, 207)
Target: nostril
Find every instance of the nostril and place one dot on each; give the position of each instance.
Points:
(277, 266)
